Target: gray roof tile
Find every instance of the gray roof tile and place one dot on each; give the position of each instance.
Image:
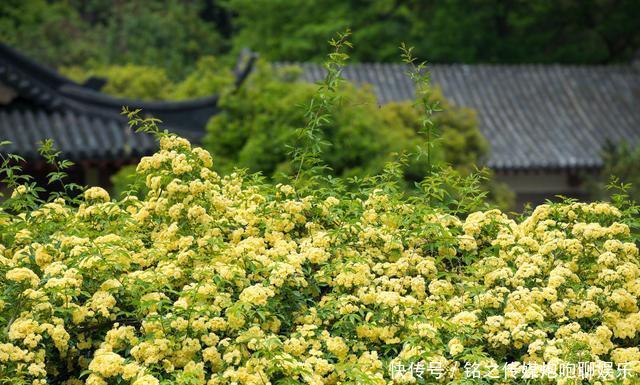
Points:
(76, 135)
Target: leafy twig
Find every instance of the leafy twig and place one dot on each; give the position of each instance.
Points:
(51, 155)
(306, 157)
(422, 79)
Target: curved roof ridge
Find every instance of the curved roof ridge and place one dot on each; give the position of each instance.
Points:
(88, 124)
(59, 83)
(26, 64)
(85, 95)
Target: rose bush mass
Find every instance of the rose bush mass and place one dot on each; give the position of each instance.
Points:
(212, 279)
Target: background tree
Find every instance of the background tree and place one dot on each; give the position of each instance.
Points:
(470, 31)
(620, 162)
(170, 34)
(209, 76)
(259, 120)
(51, 33)
(258, 123)
(174, 34)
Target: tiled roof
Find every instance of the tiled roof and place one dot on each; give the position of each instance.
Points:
(84, 123)
(78, 136)
(534, 116)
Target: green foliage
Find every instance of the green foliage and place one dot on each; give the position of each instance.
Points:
(306, 155)
(210, 76)
(46, 31)
(170, 35)
(129, 80)
(471, 31)
(57, 177)
(351, 134)
(424, 101)
(122, 181)
(620, 163)
(457, 126)
(173, 34)
(623, 196)
(26, 194)
(259, 120)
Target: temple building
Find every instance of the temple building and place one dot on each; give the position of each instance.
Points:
(86, 125)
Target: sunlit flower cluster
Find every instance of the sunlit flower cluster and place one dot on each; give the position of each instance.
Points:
(227, 280)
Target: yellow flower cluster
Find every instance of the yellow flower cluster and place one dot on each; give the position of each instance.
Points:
(23, 274)
(96, 194)
(215, 279)
(256, 295)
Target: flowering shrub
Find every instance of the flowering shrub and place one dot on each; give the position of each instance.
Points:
(215, 279)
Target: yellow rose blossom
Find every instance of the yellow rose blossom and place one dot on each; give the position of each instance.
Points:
(146, 380)
(23, 274)
(455, 347)
(465, 319)
(106, 364)
(97, 194)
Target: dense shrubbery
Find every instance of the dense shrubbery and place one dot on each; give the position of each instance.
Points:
(208, 77)
(229, 280)
(620, 162)
(450, 31)
(258, 125)
(169, 34)
(258, 122)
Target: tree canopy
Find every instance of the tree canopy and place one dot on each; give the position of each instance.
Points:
(174, 34)
(171, 34)
(470, 31)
